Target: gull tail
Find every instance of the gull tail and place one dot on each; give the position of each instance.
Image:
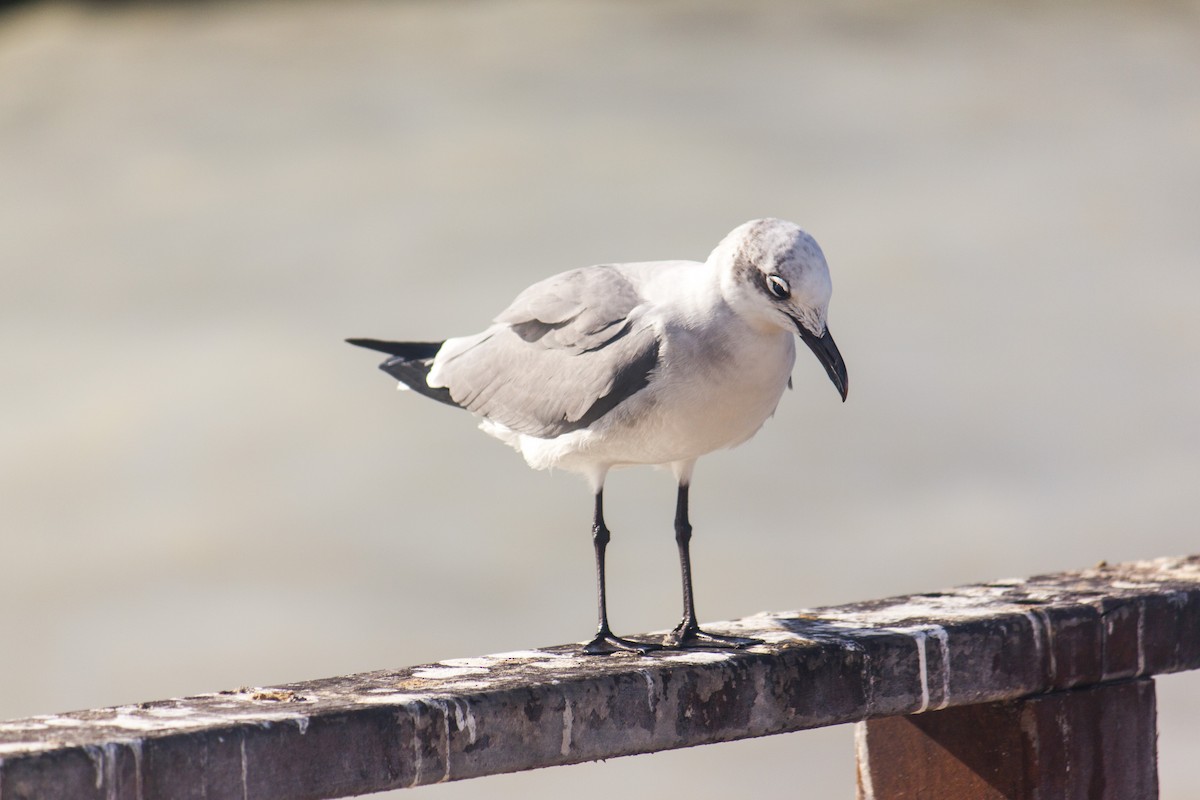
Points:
(410, 365)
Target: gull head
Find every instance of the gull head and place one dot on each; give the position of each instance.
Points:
(773, 274)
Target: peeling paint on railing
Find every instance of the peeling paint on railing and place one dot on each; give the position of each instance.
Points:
(485, 715)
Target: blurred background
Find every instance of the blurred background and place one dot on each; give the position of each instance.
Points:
(202, 487)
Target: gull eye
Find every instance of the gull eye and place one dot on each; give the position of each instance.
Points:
(778, 287)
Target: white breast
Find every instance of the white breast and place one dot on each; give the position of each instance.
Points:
(700, 400)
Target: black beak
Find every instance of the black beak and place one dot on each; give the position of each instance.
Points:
(826, 351)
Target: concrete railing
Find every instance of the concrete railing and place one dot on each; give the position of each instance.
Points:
(1034, 688)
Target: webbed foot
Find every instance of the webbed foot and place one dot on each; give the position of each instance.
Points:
(606, 643)
(686, 637)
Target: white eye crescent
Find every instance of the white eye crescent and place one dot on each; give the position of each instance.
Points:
(778, 287)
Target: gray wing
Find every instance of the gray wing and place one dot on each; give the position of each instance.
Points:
(565, 353)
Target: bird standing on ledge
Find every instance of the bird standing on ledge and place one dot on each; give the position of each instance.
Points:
(648, 363)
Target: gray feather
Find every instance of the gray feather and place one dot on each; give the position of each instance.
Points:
(567, 351)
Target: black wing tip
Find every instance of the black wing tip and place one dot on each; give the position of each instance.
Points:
(405, 350)
(414, 374)
(370, 344)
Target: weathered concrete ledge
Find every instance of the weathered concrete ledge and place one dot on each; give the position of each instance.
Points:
(514, 711)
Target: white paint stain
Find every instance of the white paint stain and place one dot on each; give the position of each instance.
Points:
(770, 638)
(939, 633)
(25, 748)
(1178, 599)
(651, 692)
(137, 720)
(441, 673)
(135, 747)
(464, 718)
(1049, 630)
(106, 760)
(445, 707)
(868, 678)
(468, 685)
(63, 722)
(699, 657)
(568, 721)
(173, 712)
(918, 637)
(566, 663)
(416, 744)
(242, 743)
(110, 769)
(96, 756)
(395, 698)
(527, 655)
(301, 724)
(134, 722)
(480, 661)
(1038, 632)
(1133, 585)
(1141, 639)
(863, 757)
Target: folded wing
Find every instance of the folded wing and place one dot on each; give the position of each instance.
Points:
(567, 352)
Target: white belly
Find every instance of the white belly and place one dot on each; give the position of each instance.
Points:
(698, 402)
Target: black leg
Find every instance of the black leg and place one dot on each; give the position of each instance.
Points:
(605, 641)
(687, 633)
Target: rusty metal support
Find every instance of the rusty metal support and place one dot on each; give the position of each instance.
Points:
(1096, 743)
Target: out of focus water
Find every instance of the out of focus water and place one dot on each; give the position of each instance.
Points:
(201, 487)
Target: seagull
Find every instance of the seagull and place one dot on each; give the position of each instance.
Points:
(654, 363)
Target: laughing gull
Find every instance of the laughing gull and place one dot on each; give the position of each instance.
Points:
(647, 363)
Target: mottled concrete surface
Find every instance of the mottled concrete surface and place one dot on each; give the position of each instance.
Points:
(201, 487)
(472, 717)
